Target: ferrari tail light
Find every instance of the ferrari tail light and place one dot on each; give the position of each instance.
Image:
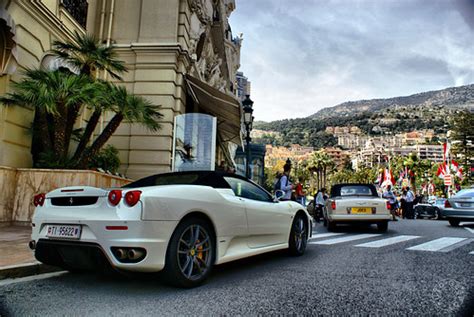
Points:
(333, 205)
(388, 205)
(38, 200)
(132, 197)
(447, 204)
(114, 197)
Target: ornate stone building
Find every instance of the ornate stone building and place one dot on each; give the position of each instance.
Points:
(181, 55)
(27, 30)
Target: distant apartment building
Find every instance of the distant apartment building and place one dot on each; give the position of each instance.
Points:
(343, 130)
(338, 156)
(243, 86)
(418, 137)
(423, 151)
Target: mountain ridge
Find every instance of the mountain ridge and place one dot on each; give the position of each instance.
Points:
(462, 96)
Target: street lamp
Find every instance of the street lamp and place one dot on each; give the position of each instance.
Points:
(248, 121)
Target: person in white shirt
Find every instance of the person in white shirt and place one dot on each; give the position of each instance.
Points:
(409, 199)
(392, 199)
(285, 185)
(319, 202)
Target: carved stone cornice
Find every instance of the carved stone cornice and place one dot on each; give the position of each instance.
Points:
(198, 7)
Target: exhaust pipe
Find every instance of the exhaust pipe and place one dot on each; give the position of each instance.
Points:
(121, 254)
(134, 254)
(32, 244)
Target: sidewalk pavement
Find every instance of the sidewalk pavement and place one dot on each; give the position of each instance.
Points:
(17, 259)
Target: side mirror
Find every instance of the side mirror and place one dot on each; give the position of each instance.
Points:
(279, 194)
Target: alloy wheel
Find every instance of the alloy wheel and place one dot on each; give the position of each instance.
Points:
(300, 234)
(194, 252)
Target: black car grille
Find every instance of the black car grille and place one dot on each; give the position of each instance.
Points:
(74, 201)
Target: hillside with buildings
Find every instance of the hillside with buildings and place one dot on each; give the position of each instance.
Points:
(423, 111)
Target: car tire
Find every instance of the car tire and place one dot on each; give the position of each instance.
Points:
(190, 250)
(438, 215)
(298, 236)
(325, 222)
(331, 225)
(382, 226)
(454, 222)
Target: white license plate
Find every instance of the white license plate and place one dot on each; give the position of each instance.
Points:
(64, 231)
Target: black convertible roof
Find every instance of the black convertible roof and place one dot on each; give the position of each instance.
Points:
(204, 178)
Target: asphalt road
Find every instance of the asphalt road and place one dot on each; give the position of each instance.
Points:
(332, 278)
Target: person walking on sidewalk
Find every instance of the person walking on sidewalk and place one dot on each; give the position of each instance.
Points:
(392, 200)
(285, 185)
(300, 194)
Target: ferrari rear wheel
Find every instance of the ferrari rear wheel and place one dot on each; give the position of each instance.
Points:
(298, 236)
(191, 253)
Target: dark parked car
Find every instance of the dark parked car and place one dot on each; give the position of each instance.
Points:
(430, 208)
(460, 207)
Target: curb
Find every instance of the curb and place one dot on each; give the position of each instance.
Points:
(28, 269)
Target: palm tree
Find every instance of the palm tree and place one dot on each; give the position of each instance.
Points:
(88, 55)
(57, 97)
(318, 163)
(127, 107)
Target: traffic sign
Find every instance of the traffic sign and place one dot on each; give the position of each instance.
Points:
(447, 180)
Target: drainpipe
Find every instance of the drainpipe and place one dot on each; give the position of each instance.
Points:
(108, 42)
(102, 20)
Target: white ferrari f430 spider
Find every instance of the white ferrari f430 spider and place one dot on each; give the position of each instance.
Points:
(179, 223)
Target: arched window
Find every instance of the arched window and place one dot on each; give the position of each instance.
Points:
(7, 59)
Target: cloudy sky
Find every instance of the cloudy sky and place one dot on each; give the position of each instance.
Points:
(304, 55)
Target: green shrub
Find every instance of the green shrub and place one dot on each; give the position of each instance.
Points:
(107, 159)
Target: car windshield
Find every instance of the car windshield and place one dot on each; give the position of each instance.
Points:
(356, 190)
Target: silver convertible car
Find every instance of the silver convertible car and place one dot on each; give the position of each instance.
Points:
(356, 203)
(179, 223)
(459, 208)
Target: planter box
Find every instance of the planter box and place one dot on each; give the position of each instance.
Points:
(19, 185)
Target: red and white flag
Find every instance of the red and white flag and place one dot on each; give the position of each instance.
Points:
(446, 149)
(457, 170)
(441, 170)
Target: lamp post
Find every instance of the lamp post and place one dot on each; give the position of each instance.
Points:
(248, 120)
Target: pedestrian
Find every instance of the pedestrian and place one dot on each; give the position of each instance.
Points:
(392, 200)
(285, 185)
(319, 201)
(409, 199)
(300, 194)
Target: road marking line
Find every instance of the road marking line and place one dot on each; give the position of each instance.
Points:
(469, 229)
(30, 278)
(324, 235)
(386, 242)
(345, 239)
(471, 252)
(457, 245)
(437, 244)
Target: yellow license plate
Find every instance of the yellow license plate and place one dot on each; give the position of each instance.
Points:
(361, 210)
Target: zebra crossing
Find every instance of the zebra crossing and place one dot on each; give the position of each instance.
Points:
(443, 244)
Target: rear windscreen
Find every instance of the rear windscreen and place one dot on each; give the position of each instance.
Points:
(354, 190)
